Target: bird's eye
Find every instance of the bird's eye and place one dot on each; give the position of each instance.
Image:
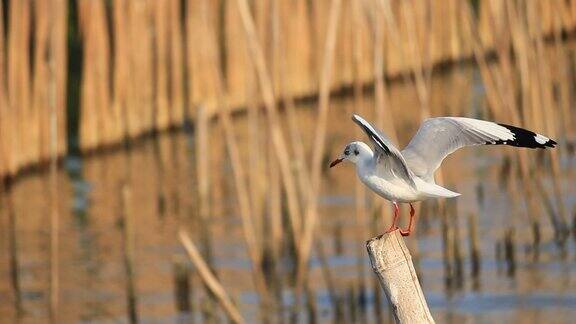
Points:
(346, 152)
(356, 152)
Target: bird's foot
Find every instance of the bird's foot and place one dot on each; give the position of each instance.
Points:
(405, 232)
(391, 229)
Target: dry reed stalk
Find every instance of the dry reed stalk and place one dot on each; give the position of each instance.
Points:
(565, 83)
(209, 279)
(122, 98)
(343, 67)
(18, 81)
(255, 161)
(4, 115)
(421, 68)
(275, 204)
(236, 64)
(509, 252)
(381, 100)
(561, 230)
(102, 93)
(238, 172)
(161, 21)
(39, 133)
(266, 87)
(470, 26)
(275, 191)
(286, 89)
(140, 118)
(256, 168)
(458, 263)
(262, 16)
(176, 93)
(128, 251)
(250, 234)
(542, 68)
(53, 133)
(529, 51)
(317, 10)
(456, 45)
(201, 83)
(505, 81)
(311, 306)
(360, 191)
(501, 101)
(475, 258)
(447, 248)
(6, 196)
(311, 213)
(218, 160)
(202, 154)
(95, 96)
(168, 168)
(60, 56)
(182, 286)
(329, 280)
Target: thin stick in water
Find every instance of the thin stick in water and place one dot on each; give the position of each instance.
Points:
(209, 279)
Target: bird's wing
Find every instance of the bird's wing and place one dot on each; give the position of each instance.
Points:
(438, 137)
(387, 157)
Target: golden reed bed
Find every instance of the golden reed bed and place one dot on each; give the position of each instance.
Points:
(146, 65)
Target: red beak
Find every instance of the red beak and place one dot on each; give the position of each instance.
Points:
(336, 162)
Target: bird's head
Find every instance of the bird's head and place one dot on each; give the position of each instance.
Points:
(353, 152)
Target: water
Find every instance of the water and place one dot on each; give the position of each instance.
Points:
(160, 178)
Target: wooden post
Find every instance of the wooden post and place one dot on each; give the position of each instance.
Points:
(392, 262)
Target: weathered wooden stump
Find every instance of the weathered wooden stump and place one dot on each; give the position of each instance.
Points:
(392, 263)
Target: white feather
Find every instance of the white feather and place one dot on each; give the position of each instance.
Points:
(541, 139)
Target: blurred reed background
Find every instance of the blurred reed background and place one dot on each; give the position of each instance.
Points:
(268, 234)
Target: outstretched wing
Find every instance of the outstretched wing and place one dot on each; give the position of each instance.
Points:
(387, 157)
(438, 137)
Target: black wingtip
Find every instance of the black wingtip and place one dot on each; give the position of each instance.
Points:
(526, 138)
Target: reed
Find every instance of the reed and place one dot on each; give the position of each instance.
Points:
(241, 189)
(209, 280)
(474, 249)
(359, 106)
(128, 252)
(510, 252)
(329, 280)
(202, 163)
(52, 120)
(278, 140)
(311, 214)
(142, 72)
(14, 260)
(182, 286)
(499, 81)
(25, 80)
(301, 169)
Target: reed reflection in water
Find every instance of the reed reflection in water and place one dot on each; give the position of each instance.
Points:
(120, 258)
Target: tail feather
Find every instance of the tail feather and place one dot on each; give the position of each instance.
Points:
(433, 190)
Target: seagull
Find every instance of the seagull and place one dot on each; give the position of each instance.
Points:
(407, 176)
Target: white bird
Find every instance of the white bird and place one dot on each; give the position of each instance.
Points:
(407, 176)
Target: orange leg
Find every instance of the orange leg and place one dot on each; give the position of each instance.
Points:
(395, 220)
(410, 223)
